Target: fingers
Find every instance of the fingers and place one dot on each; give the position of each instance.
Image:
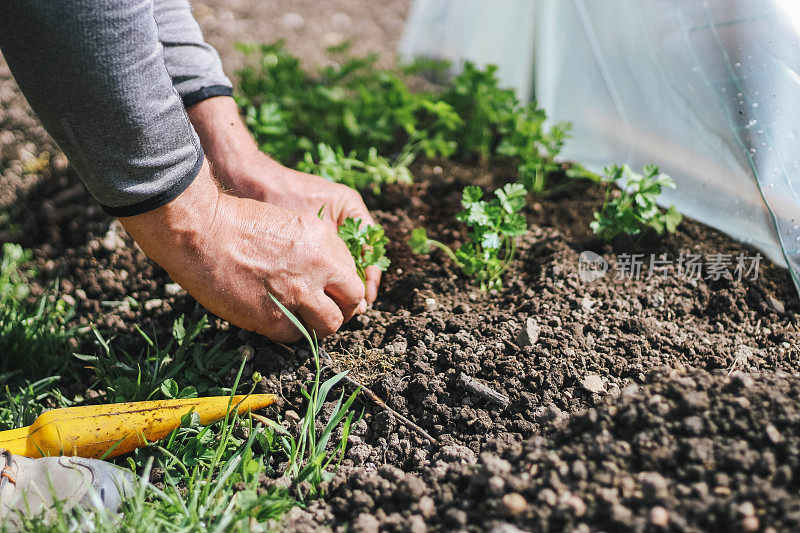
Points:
(344, 286)
(373, 275)
(321, 314)
(353, 207)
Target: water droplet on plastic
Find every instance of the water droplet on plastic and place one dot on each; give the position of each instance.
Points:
(752, 150)
(737, 65)
(739, 95)
(755, 104)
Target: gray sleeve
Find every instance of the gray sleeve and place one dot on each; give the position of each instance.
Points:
(94, 73)
(193, 64)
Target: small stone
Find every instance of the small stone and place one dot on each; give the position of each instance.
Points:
(68, 299)
(293, 21)
(747, 509)
(366, 523)
(548, 497)
(659, 516)
(593, 383)
(332, 39)
(398, 347)
(742, 355)
(80, 294)
(496, 485)
(548, 413)
(777, 304)
(149, 305)
(654, 486)
(246, 352)
(455, 517)
(427, 507)
(111, 241)
(172, 289)
(773, 434)
(750, 524)
(529, 334)
(621, 514)
(694, 425)
(514, 503)
(506, 528)
(292, 416)
(430, 304)
(577, 505)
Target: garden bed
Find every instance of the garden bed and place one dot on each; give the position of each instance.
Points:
(649, 404)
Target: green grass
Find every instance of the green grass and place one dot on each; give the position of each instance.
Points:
(210, 476)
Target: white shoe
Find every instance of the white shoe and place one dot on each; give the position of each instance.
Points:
(30, 487)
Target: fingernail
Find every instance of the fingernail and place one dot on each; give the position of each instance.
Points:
(362, 307)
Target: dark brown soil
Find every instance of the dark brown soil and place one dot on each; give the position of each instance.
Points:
(640, 401)
(659, 404)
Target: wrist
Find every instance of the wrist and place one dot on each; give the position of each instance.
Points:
(225, 139)
(183, 223)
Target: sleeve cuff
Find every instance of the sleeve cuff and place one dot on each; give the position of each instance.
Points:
(160, 199)
(195, 97)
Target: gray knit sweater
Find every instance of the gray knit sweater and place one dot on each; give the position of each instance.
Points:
(110, 80)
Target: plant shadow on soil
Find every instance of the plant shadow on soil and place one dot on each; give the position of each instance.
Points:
(653, 404)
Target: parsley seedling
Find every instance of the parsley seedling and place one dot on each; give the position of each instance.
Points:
(373, 171)
(493, 227)
(367, 244)
(635, 209)
(363, 126)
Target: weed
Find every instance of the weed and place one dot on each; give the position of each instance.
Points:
(308, 460)
(493, 228)
(129, 378)
(33, 336)
(366, 243)
(210, 477)
(635, 208)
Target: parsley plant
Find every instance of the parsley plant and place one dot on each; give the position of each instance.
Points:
(366, 243)
(493, 227)
(635, 209)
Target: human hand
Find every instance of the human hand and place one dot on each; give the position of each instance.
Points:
(231, 253)
(248, 173)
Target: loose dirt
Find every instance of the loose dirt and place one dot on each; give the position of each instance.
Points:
(656, 404)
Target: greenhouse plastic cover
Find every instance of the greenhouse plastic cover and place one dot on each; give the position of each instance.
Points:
(707, 90)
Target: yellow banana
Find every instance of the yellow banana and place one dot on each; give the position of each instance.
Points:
(93, 430)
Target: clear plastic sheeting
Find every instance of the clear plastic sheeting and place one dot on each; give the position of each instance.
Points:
(708, 90)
